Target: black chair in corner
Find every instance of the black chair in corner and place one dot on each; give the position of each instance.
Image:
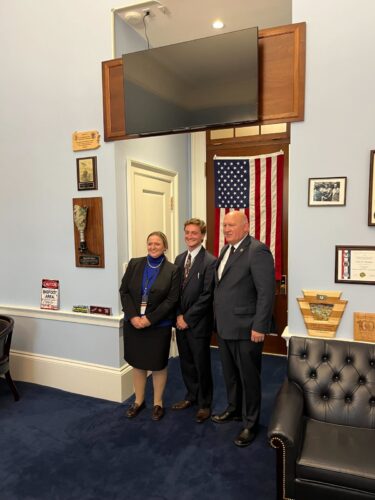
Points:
(6, 331)
(323, 422)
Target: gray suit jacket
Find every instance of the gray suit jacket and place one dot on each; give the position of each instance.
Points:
(244, 296)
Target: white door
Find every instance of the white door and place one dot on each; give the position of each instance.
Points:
(152, 206)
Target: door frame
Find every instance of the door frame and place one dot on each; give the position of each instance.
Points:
(160, 173)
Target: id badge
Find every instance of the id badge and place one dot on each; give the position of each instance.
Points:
(144, 304)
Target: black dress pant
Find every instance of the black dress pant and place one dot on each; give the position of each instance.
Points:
(195, 360)
(242, 361)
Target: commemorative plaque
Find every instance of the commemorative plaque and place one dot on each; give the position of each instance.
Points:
(88, 232)
(322, 312)
(364, 327)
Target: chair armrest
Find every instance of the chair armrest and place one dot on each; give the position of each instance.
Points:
(287, 416)
(285, 435)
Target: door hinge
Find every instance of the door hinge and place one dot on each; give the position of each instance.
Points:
(172, 203)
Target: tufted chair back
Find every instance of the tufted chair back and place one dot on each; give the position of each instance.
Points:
(337, 379)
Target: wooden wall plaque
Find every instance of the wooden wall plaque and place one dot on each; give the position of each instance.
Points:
(91, 252)
(364, 327)
(322, 312)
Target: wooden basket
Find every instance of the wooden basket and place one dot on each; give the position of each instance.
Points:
(322, 312)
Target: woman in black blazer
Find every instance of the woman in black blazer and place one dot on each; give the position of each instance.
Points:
(149, 294)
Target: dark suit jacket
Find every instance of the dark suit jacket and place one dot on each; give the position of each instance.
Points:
(196, 297)
(244, 296)
(163, 295)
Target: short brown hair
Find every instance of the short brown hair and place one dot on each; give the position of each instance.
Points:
(197, 222)
(161, 236)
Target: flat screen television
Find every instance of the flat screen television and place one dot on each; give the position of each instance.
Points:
(194, 85)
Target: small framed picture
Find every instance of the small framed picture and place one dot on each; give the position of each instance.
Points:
(86, 173)
(371, 196)
(327, 191)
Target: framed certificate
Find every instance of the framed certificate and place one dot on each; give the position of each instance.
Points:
(355, 264)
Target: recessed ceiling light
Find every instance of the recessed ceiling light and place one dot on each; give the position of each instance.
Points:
(218, 24)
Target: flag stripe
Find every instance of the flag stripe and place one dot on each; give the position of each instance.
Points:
(257, 199)
(268, 201)
(279, 218)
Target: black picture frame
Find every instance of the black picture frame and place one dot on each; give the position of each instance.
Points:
(87, 178)
(327, 192)
(371, 195)
(355, 264)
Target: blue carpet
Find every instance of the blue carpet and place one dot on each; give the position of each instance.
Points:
(56, 445)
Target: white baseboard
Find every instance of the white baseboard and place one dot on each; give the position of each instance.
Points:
(99, 381)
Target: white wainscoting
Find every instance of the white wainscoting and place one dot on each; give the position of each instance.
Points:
(80, 377)
(113, 384)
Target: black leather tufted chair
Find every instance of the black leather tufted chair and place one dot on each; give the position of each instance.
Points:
(6, 331)
(323, 422)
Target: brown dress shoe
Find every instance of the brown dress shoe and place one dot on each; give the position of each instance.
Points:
(202, 415)
(157, 412)
(182, 405)
(134, 409)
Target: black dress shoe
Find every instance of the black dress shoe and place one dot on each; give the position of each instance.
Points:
(244, 438)
(202, 415)
(182, 405)
(226, 416)
(157, 412)
(134, 409)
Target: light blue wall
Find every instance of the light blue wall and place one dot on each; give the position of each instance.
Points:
(51, 86)
(334, 140)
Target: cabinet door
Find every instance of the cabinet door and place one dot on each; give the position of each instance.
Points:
(281, 81)
(282, 73)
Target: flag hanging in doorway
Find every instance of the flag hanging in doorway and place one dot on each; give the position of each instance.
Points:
(253, 185)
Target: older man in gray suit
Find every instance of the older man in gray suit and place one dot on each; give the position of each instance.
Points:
(243, 303)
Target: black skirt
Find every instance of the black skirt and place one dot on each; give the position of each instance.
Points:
(147, 348)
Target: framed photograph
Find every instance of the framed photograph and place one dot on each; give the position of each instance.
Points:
(355, 264)
(371, 196)
(86, 173)
(327, 191)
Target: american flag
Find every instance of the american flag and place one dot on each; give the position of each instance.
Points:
(253, 185)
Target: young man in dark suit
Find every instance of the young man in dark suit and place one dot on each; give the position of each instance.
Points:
(194, 321)
(243, 303)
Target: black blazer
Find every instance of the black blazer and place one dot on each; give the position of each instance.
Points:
(244, 296)
(196, 297)
(163, 294)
